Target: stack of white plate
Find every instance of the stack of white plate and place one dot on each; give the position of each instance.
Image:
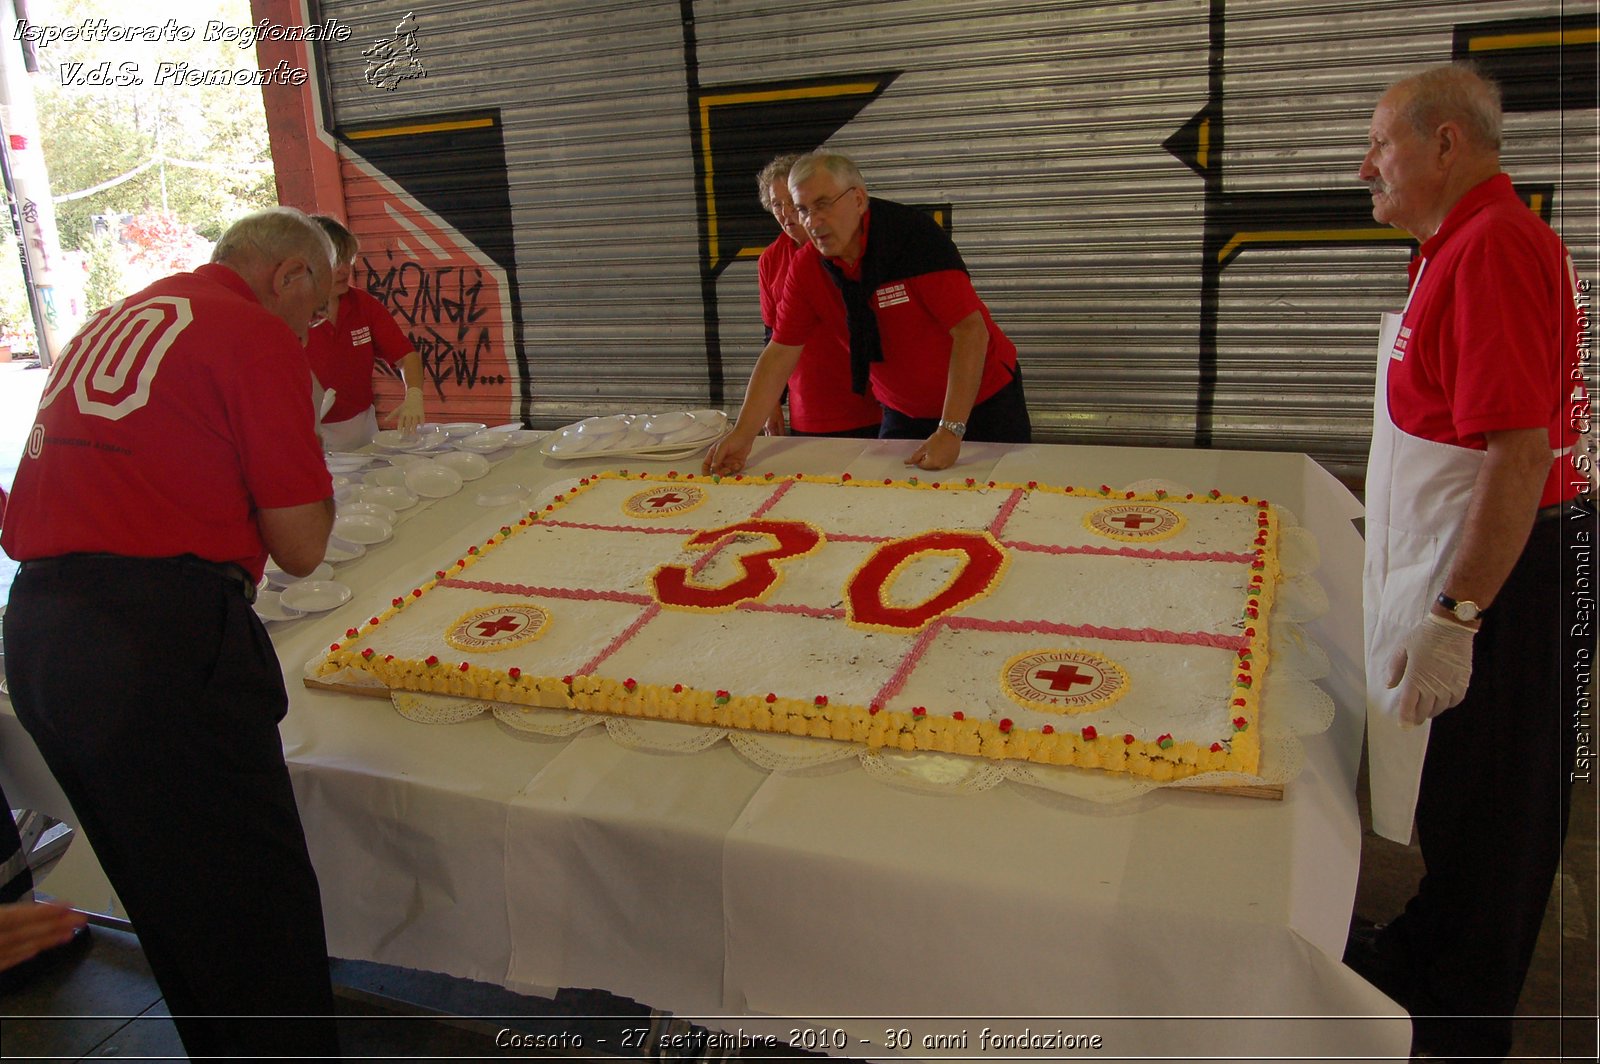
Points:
(675, 434)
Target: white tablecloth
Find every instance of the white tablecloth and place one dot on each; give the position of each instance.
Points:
(703, 885)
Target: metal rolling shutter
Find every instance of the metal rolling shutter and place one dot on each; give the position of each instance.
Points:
(1043, 128)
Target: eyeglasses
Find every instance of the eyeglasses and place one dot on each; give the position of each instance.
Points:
(821, 205)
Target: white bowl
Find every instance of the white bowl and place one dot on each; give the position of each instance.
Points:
(395, 440)
(314, 596)
(362, 529)
(269, 608)
(393, 498)
(368, 508)
(342, 550)
(504, 495)
(660, 424)
(470, 466)
(346, 493)
(278, 578)
(483, 442)
(387, 477)
(345, 462)
(432, 480)
(463, 428)
(600, 426)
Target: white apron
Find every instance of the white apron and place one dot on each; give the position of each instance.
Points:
(1417, 495)
(351, 434)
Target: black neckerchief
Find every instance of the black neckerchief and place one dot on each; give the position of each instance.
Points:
(902, 242)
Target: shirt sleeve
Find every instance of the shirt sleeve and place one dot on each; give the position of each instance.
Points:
(947, 295)
(389, 341)
(1506, 372)
(766, 271)
(268, 399)
(797, 309)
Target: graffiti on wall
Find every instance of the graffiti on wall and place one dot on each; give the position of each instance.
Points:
(443, 311)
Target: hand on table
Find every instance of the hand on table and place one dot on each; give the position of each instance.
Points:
(728, 455)
(28, 928)
(408, 415)
(1432, 668)
(938, 451)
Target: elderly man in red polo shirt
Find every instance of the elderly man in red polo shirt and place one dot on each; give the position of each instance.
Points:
(917, 331)
(1470, 490)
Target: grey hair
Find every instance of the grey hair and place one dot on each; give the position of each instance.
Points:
(840, 166)
(776, 170)
(1458, 92)
(271, 236)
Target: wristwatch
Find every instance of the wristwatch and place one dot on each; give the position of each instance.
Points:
(958, 429)
(1466, 611)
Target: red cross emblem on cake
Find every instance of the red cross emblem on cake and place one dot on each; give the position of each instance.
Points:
(498, 627)
(663, 501)
(1063, 681)
(1141, 521)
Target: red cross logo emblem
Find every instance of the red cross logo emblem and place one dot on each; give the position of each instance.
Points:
(1134, 521)
(498, 627)
(1063, 681)
(506, 623)
(1065, 676)
(662, 501)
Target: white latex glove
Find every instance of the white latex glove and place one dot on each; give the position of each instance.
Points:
(1431, 668)
(408, 415)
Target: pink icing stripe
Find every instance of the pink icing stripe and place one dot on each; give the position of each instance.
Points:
(1004, 515)
(654, 531)
(772, 500)
(1091, 631)
(909, 662)
(644, 618)
(1135, 552)
(529, 591)
(801, 611)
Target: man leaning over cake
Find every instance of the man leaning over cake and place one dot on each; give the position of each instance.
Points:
(143, 512)
(918, 335)
(1468, 488)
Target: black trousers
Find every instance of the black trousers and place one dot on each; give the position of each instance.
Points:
(154, 695)
(1001, 418)
(1494, 801)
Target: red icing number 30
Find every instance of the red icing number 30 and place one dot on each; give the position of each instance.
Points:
(760, 574)
(982, 561)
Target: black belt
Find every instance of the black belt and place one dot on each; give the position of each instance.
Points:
(1577, 504)
(232, 575)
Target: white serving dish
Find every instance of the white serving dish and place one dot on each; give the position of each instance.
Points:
(392, 498)
(269, 608)
(362, 529)
(432, 480)
(471, 466)
(314, 596)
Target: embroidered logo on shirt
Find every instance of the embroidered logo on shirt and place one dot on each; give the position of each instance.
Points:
(1401, 340)
(361, 335)
(891, 294)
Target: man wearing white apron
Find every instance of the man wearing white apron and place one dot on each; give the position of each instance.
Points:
(1467, 503)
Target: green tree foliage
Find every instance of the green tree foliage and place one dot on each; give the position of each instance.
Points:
(93, 134)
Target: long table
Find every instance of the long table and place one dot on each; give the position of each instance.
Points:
(1178, 923)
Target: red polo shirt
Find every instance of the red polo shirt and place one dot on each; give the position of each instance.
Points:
(1489, 338)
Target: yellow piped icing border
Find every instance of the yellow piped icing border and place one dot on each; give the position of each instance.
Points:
(876, 728)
